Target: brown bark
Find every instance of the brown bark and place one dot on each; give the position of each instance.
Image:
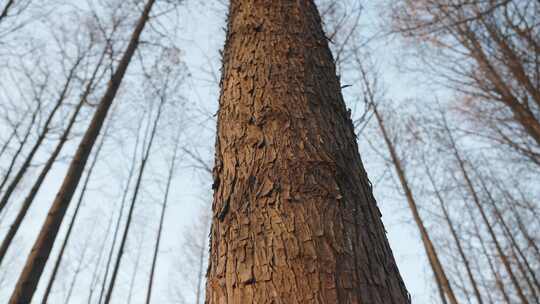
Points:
(28, 280)
(295, 220)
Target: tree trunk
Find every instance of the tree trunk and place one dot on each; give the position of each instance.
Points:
(162, 218)
(29, 278)
(516, 248)
(135, 268)
(79, 267)
(487, 255)
(455, 235)
(13, 134)
(22, 143)
(431, 252)
(144, 160)
(58, 261)
(295, 220)
(48, 165)
(41, 137)
(472, 191)
(120, 214)
(5, 10)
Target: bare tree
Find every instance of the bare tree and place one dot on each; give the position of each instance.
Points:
(150, 135)
(36, 261)
(487, 51)
(172, 169)
(192, 260)
(63, 247)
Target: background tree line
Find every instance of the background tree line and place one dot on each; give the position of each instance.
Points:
(444, 97)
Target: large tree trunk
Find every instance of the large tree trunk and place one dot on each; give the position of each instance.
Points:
(295, 220)
(29, 278)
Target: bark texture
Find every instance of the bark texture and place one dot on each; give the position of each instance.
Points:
(294, 218)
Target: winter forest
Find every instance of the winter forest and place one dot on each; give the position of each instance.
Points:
(270, 151)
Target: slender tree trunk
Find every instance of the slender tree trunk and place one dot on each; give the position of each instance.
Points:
(486, 254)
(6, 8)
(15, 156)
(13, 133)
(431, 252)
(35, 263)
(510, 236)
(455, 235)
(135, 270)
(488, 292)
(120, 215)
(48, 165)
(440, 289)
(512, 203)
(295, 220)
(524, 274)
(200, 274)
(58, 261)
(471, 189)
(95, 273)
(78, 269)
(144, 161)
(172, 168)
(42, 135)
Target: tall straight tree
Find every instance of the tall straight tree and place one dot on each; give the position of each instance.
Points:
(294, 217)
(440, 274)
(29, 278)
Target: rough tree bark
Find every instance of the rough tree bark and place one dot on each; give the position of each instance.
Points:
(294, 217)
(29, 278)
